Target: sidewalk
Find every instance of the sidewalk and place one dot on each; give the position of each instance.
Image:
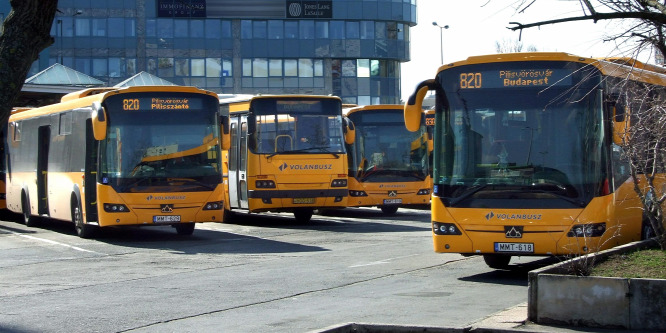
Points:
(515, 320)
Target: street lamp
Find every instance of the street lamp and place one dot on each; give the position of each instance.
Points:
(441, 43)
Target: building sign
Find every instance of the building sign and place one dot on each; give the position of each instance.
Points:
(181, 8)
(309, 9)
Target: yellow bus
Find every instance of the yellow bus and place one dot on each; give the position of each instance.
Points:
(117, 157)
(527, 156)
(287, 154)
(388, 165)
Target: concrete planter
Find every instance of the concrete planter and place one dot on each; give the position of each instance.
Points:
(555, 297)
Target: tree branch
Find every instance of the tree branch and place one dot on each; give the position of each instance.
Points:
(649, 16)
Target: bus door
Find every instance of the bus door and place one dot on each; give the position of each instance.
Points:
(43, 142)
(90, 175)
(238, 163)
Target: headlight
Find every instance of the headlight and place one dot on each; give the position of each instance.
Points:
(445, 229)
(339, 183)
(115, 208)
(215, 205)
(264, 184)
(357, 193)
(587, 230)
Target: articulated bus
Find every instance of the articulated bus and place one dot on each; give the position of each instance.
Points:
(287, 154)
(388, 165)
(527, 156)
(117, 157)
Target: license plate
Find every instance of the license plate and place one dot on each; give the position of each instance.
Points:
(166, 218)
(304, 200)
(392, 201)
(515, 247)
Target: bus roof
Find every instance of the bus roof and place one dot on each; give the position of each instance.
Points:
(349, 111)
(617, 67)
(85, 98)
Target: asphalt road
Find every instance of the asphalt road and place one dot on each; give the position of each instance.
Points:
(260, 273)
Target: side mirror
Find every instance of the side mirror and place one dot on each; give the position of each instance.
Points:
(251, 124)
(349, 130)
(99, 121)
(225, 136)
(414, 105)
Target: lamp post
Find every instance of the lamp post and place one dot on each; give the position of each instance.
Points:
(441, 43)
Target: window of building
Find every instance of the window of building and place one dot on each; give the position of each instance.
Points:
(213, 29)
(275, 30)
(348, 68)
(247, 67)
(367, 30)
(321, 29)
(305, 68)
(82, 26)
(307, 29)
(116, 27)
(130, 67)
(180, 28)
(196, 28)
(363, 67)
(374, 68)
(100, 67)
(164, 28)
(198, 67)
(130, 27)
(260, 67)
(226, 67)
(213, 67)
(82, 65)
(259, 29)
(246, 29)
(165, 67)
(226, 29)
(99, 27)
(182, 67)
(318, 67)
(352, 30)
(290, 67)
(291, 29)
(151, 28)
(337, 29)
(275, 67)
(115, 67)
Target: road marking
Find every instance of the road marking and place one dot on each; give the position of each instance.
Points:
(49, 241)
(381, 262)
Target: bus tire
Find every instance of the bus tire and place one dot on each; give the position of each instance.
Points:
(303, 215)
(389, 210)
(184, 229)
(28, 219)
(497, 261)
(83, 230)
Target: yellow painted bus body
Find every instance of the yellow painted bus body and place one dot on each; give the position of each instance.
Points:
(555, 182)
(57, 170)
(388, 166)
(287, 155)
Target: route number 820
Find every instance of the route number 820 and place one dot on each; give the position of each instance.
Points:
(470, 80)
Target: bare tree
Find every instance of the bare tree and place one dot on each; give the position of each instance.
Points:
(643, 140)
(26, 33)
(512, 46)
(646, 19)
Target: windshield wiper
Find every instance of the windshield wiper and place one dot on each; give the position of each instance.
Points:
(323, 149)
(468, 193)
(553, 190)
(190, 180)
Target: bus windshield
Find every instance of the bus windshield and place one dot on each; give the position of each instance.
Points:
(521, 143)
(161, 151)
(297, 126)
(385, 151)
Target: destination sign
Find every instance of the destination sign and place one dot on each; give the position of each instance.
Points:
(515, 78)
(295, 106)
(160, 103)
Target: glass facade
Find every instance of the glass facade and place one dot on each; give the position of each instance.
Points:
(348, 48)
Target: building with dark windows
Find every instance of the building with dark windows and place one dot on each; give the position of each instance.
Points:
(348, 48)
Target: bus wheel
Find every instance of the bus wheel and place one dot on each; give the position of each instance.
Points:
(184, 229)
(83, 230)
(303, 215)
(389, 210)
(497, 261)
(28, 219)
